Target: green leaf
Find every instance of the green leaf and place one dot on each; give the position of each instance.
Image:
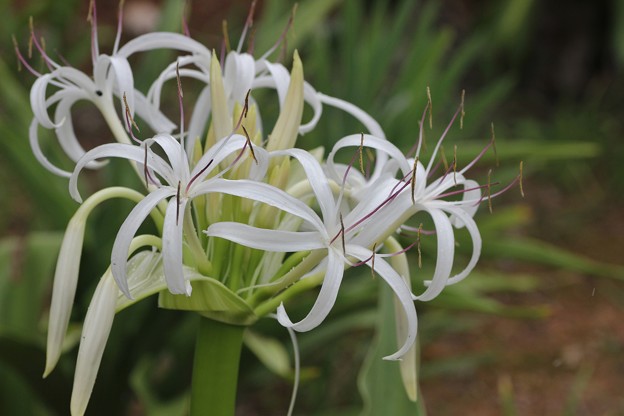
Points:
(270, 352)
(26, 270)
(379, 381)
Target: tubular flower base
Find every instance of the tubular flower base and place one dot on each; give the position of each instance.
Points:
(243, 220)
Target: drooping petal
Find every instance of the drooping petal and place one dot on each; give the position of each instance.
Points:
(325, 300)
(95, 332)
(445, 254)
(400, 289)
(33, 136)
(127, 231)
(472, 228)
(152, 116)
(172, 247)
(124, 151)
(64, 289)
(266, 239)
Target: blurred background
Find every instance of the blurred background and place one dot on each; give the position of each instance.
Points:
(536, 329)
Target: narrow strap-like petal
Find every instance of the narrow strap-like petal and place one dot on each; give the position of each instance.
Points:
(127, 231)
(172, 247)
(400, 289)
(266, 239)
(325, 299)
(95, 332)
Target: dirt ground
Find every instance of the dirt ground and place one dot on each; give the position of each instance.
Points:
(569, 363)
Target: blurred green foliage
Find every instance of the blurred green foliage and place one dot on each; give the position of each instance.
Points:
(382, 56)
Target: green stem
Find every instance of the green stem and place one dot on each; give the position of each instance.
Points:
(215, 368)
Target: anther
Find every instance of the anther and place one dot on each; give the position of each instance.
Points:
(414, 168)
(342, 233)
(463, 113)
(443, 158)
(129, 120)
(226, 37)
(494, 144)
(489, 191)
(361, 148)
(430, 105)
(418, 246)
(373, 260)
(253, 154)
(520, 179)
(455, 164)
(178, 203)
(31, 39)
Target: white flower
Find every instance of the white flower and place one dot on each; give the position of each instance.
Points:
(329, 233)
(112, 79)
(181, 185)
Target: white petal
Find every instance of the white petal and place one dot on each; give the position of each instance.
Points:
(261, 192)
(266, 239)
(124, 151)
(127, 231)
(446, 252)
(64, 289)
(371, 125)
(95, 332)
(33, 136)
(472, 228)
(152, 116)
(400, 289)
(172, 247)
(239, 76)
(199, 120)
(325, 300)
(162, 40)
(318, 181)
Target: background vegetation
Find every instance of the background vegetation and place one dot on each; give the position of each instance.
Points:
(535, 330)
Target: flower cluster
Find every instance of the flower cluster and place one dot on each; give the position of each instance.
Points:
(245, 220)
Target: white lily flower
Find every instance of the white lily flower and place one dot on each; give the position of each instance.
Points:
(112, 80)
(328, 234)
(181, 183)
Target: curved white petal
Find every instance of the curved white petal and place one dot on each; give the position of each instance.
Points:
(152, 116)
(172, 247)
(446, 252)
(260, 192)
(127, 231)
(266, 239)
(199, 120)
(238, 77)
(33, 136)
(95, 332)
(472, 228)
(163, 40)
(325, 300)
(400, 289)
(318, 181)
(124, 151)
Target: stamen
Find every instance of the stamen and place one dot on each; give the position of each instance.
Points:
(373, 260)
(119, 26)
(494, 145)
(455, 164)
(282, 39)
(178, 204)
(443, 158)
(430, 105)
(361, 147)
(130, 121)
(248, 24)
(146, 172)
(180, 96)
(463, 113)
(92, 19)
(252, 42)
(413, 180)
(489, 191)
(520, 179)
(342, 232)
(22, 61)
(418, 246)
(185, 27)
(253, 154)
(40, 47)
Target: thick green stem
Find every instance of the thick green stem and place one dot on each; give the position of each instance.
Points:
(215, 369)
